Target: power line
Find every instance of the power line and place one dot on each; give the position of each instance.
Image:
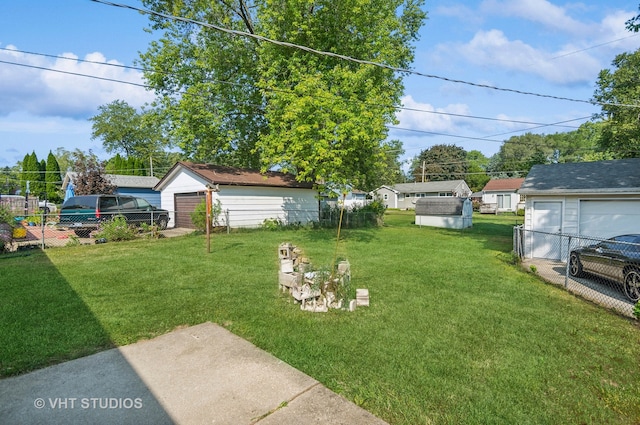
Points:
(450, 114)
(539, 125)
(593, 47)
(434, 133)
(113, 80)
(487, 139)
(350, 59)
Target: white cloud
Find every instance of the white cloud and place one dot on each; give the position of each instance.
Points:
(22, 133)
(33, 88)
(540, 11)
(458, 11)
(425, 117)
(493, 50)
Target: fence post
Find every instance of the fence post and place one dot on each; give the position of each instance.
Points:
(42, 224)
(566, 272)
(226, 219)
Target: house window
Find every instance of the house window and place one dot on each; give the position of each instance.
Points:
(385, 196)
(504, 201)
(445, 194)
(401, 197)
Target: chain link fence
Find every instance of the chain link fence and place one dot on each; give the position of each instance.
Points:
(604, 271)
(46, 230)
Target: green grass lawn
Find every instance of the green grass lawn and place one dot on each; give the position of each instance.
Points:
(455, 333)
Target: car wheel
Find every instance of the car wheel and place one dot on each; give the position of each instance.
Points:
(632, 285)
(575, 265)
(162, 223)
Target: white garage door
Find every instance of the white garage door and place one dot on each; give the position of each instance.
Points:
(604, 219)
(547, 226)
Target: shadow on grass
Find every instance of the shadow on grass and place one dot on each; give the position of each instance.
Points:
(45, 322)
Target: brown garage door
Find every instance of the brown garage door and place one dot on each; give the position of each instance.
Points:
(185, 204)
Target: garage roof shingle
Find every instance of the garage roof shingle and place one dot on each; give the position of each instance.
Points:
(225, 175)
(616, 176)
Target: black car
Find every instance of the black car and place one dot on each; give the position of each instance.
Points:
(617, 259)
(84, 213)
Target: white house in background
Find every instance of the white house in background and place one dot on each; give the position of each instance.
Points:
(591, 199)
(404, 195)
(501, 195)
(247, 196)
(353, 199)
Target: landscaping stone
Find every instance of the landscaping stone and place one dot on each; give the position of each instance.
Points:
(309, 288)
(362, 297)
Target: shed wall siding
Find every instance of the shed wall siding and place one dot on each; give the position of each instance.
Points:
(447, 222)
(248, 206)
(183, 182)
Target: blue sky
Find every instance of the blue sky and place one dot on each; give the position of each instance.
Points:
(548, 48)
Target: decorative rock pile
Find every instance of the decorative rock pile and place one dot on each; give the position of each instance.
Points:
(316, 290)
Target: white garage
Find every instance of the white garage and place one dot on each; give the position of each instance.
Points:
(607, 218)
(247, 197)
(567, 202)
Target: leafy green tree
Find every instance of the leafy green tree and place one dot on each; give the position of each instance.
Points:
(219, 113)
(123, 129)
(118, 125)
(65, 159)
(578, 145)
(440, 163)
(9, 180)
(633, 24)
(249, 103)
(518, 154)
(477, 176)
(33, 173)
(392, 172)
(617, 91)
(328, 116)
(53, 179)
(131, 166)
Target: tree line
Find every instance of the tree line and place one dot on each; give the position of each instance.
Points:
(516, 156)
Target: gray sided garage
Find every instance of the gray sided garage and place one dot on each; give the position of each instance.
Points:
(587, 199)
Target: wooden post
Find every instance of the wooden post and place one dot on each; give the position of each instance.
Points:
(209, 204)
(208, 218)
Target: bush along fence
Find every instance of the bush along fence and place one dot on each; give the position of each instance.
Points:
(604, 271)
(44, 230)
